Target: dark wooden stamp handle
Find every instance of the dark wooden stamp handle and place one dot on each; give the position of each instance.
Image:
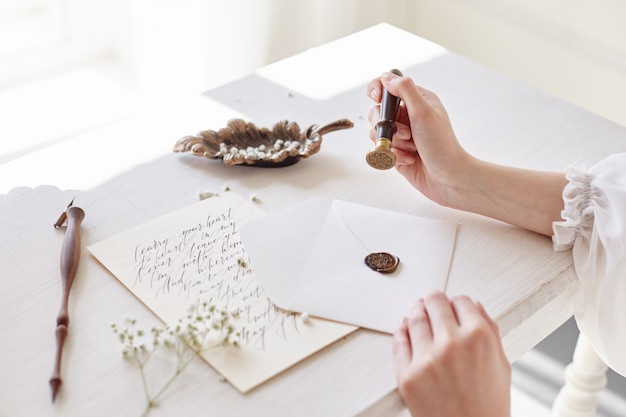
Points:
(389, 105)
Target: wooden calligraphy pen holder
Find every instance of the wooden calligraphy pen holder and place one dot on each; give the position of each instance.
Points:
(70, 256)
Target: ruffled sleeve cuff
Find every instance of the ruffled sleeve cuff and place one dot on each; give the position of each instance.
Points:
(577, 214)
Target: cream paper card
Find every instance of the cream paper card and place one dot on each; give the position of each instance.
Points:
(196, 254)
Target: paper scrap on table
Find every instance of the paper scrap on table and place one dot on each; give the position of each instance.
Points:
(194, 255)
(310, 258)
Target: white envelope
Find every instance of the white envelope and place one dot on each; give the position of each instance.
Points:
(310, 258)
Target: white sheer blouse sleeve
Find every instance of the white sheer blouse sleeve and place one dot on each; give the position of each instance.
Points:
(594, 225)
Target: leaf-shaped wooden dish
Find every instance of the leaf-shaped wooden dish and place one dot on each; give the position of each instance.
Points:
(243, 143)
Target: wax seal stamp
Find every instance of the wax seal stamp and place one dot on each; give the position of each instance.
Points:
(381, 157)
(382, 262)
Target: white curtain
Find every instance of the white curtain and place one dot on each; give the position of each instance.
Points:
(181, 46)
(177, 46)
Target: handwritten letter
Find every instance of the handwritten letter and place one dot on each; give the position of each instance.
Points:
(196, 254)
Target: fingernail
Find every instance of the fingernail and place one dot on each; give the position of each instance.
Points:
(375, 94)
(403, 323)
(388, 76)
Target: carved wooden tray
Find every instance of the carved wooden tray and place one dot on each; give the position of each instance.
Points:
(243, 143)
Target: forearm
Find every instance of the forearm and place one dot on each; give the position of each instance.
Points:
(525, 198)
(432, 160)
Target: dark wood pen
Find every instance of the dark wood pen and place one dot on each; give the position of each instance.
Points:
(70, 256)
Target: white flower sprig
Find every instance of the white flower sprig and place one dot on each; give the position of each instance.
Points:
(205, 327)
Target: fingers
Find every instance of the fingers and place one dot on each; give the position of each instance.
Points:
(374, 90)
(404, 158)
(466, 310)
(442, 315)
(429, 320)
(419, 327)
(402, 140)
(437, 319)
(488, 318)
(404, 87)
(448, 361)
(402, 349)
(373, 116)
(388, 80)
(471, 312)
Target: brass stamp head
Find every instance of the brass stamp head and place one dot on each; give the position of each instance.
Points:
(381, 157)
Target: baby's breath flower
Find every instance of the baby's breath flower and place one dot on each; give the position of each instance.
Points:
(204, 327)
(203, 195)
(304, 316)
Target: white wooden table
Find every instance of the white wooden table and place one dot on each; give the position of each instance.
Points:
(124, 173)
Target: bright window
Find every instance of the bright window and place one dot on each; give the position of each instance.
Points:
(30, 25)
(38, 37)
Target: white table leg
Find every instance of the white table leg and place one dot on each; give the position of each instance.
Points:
(584, 378)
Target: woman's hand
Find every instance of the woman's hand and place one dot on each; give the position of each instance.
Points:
(430, 157)
(449, 360)
(427, 152)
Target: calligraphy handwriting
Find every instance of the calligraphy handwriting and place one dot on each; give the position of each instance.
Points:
(203, 261)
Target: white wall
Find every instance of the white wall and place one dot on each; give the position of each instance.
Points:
(574, 49)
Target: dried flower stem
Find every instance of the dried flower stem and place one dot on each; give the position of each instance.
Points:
(194, 334)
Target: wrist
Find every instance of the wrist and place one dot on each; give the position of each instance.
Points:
(521, 197)
(459, 184)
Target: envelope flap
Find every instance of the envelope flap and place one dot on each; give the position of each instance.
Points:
(311, 258)
(280, 244)
(383, 230)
